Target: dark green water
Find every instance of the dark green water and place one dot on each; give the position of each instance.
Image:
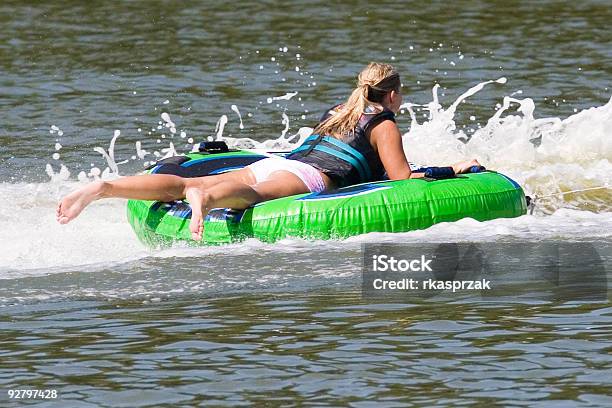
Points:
(77, 65)
(89, 312)
(327, 348)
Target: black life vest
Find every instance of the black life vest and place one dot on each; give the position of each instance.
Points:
(347, 162)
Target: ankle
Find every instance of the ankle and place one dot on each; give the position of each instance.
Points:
(206, 201)
(102, 189)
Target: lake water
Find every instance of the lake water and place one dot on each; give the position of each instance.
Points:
(86, 310)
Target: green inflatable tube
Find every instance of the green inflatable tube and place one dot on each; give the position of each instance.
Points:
(383, 206)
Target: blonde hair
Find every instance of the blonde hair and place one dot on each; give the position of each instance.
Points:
(373, 83)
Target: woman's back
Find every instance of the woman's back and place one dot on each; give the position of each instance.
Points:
(351, 160)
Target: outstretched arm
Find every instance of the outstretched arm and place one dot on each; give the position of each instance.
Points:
(387, 140)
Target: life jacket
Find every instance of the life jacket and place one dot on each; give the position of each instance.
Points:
(347, 162)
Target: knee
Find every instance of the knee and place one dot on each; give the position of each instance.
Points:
(259, 195)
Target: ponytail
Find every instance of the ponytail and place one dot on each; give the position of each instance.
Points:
(373, 83)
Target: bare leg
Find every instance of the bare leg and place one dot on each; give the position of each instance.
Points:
(161, 187)
(237, 195)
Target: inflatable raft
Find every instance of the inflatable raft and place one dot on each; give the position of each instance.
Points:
(382, 206)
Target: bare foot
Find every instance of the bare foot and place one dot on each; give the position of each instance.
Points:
(72, 205)
(464, 166)
(198, 200)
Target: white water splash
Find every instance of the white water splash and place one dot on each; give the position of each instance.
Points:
(109, 155)
(285, 97)
(54, 129)
(33, 239)
(280, 144)
(545, 155)
(285, 122)
(140, 152)
(62, 175)
(168, 152)
(168, 122)
(220, 126)
(235, 109)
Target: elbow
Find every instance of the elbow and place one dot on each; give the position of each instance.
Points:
(401, 175)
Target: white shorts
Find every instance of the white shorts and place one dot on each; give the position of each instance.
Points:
(309, 175)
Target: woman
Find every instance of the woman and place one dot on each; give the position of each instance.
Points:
(355, 142)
